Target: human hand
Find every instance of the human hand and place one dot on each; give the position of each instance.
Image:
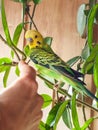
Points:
(20, 104)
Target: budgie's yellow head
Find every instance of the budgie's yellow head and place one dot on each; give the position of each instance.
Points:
(34, 39)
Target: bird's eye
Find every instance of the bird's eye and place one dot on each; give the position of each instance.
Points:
(30, 39)
(38, 42)
(36, 36)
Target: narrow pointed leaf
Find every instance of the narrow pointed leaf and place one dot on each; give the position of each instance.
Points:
(5, 78)
(88, 122)
(47, 100)
(52, 115)
(72, 61)
(85, 52)
(91, 17)
(81, 19)
(74, 113)
(96, 71)
(59, 113)
(49, 84)
(27, 50)
(17, 71)
(5, 24)
(48, 40)
(92, 3)
(67, 118)
(17, 33)
(88, 65)
(16, 36)
(5, 61)
(3, 68)
(42, 126)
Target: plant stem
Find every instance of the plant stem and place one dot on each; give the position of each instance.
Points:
(9, 46)
(14, 48)
(84, 113)
(31, 19)
(33, 12)
(13, 63)
(15, 53)
(23, 13)
(21, 52)
(87, 105)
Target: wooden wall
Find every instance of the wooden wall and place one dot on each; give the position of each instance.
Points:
(56, 18)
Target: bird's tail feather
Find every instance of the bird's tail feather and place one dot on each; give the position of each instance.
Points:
(77, 83)
(71, 73)
(77, 74)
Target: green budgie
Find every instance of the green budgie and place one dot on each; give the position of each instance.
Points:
(42, 54)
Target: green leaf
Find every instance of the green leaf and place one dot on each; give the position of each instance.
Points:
(27, 50)
(59, 113)
(96, 15)
(90, 22)
(17, 71)
(48, 40)
(67, 118)
(4, 23)
(17, 33)
(12, 54)
(3, 68)
(74, 113)
(52, 115)
(16, 36)
(96, 71)
(88, 69)
(3, 63)
(37, 1)
(5, 60)
(42, 126)
(49, 84)
(85, 52)
(88, 65)
(92, 3)
(47, 100)
(5, 78)
(72, 61)
(88, 122)
(81, 19)
(86, 12)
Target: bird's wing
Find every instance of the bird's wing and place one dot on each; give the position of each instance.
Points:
(52, 61)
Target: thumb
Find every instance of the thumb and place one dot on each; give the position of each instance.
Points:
(26, 69)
